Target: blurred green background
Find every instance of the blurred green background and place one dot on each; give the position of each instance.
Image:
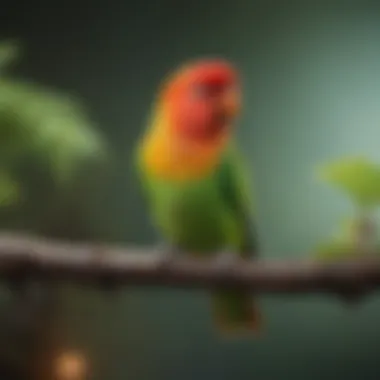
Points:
(312, 93)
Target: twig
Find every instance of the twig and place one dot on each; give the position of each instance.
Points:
(90, 263)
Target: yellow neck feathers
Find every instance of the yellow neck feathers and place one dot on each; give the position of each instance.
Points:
(172, 158)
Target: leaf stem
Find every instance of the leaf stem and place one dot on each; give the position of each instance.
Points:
(365, 232)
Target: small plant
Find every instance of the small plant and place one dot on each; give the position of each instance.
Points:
(359, 179)
(342, 243)
(41, 122)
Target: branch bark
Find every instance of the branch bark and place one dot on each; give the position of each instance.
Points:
(51, 260)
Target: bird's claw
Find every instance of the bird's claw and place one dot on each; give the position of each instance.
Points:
(167, 253)
(226, 259)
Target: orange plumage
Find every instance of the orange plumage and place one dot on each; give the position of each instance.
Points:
(190, 129)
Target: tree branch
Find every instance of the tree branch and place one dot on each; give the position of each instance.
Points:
(90, 263)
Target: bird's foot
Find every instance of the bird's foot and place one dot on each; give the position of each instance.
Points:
(249, 251)
(167, 253)
(227, 259)
(253, 254)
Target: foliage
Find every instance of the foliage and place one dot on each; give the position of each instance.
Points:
(358, 177)
(43, 123)
(335, 250)
(342, 244)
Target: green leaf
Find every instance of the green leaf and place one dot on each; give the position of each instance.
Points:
(10, 192)
(51, 125)
(358, 177)
(39, 122)
(342, 243)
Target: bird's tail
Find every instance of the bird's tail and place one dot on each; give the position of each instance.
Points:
(235, 312)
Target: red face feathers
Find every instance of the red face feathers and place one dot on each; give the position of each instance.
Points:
(202, 99)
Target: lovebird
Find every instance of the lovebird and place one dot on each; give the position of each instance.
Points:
(192, 175)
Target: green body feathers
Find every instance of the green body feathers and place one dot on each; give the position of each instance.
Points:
(204, 216)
